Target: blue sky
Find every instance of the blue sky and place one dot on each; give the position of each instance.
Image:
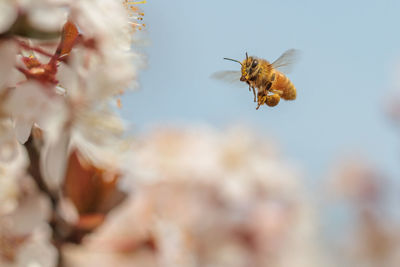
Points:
(350, 52)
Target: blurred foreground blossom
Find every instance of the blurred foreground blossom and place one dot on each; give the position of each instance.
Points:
(205, 198)
(25, 236)
(59, 73)
(63, 66)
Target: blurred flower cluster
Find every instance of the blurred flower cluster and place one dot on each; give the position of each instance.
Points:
(206, 198)
(63, 66)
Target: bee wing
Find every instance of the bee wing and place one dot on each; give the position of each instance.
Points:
(230, 76)
(285, 62)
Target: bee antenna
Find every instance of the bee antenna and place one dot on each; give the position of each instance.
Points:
(247, 57)
(233, 60)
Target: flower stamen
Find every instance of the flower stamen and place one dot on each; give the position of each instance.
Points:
(135, 14)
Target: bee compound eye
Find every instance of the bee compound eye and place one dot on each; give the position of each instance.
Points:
(254, 64)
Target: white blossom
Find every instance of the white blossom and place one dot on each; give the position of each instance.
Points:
(29, 104)
(12, 171)
(72, 102)
(24, 215)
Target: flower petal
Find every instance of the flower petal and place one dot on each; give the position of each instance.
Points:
(8, 15)
(22, 129)
(53, 161)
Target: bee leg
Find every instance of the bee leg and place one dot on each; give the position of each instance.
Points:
(259, 102)
(279, 92)
(262, 98)
(254, 92)
(249, 85)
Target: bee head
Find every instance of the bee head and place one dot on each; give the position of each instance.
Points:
(249, 65)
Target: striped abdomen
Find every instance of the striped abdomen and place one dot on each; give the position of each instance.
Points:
(282, 84)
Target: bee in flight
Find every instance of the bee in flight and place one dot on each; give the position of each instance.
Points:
(267, 78)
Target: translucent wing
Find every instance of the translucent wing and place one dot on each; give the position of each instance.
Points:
(285, 62)
(227, 76)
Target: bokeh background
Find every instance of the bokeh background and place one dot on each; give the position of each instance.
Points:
(345, 76)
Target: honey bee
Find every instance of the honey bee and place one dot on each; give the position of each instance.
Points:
(267, 78)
